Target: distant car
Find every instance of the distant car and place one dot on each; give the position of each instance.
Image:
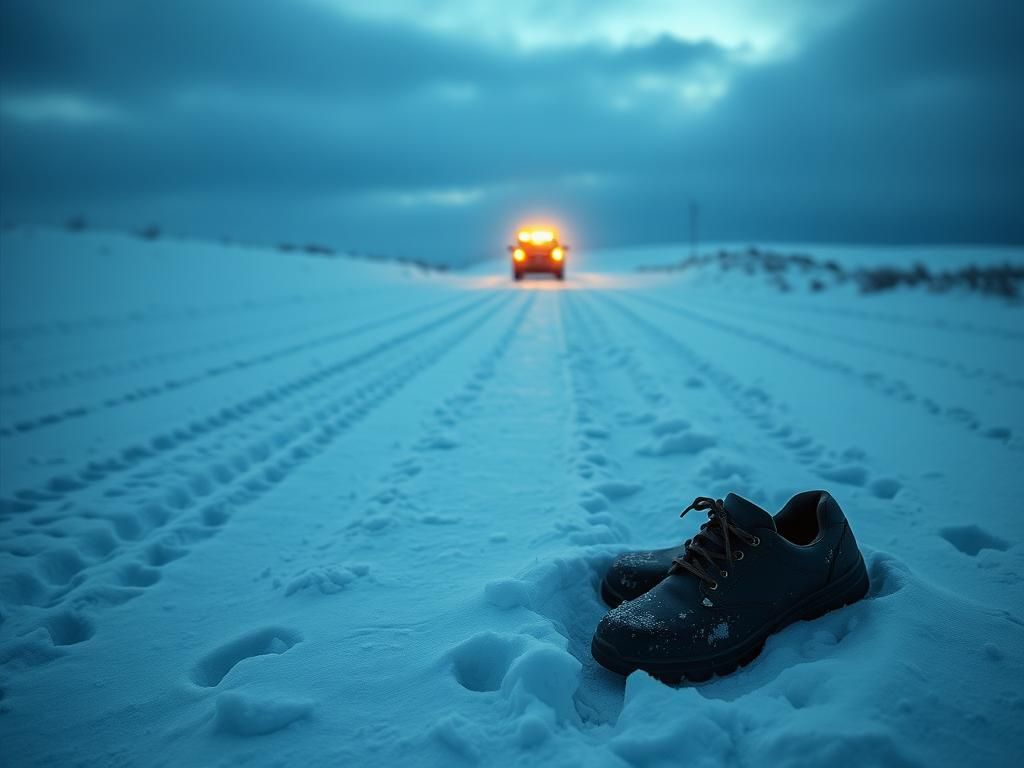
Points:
(538, 250)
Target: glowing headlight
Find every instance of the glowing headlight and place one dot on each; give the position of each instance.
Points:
(557, 254)
(518, 254)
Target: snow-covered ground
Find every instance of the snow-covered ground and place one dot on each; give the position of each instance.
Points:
(267, 509)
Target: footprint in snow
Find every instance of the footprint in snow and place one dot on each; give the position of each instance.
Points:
(438, 443)
(481, 662)
(688, 443)
(674, 437)
(885, 487)
(215, 665)
(999, 433)
(848, 474)
(594, 504)
(614, 490)
(971, 539)
(669, 427)
(722, 469)
(67, 628)
(59, 566)
(433, 518)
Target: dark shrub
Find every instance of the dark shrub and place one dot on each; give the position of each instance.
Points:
(318, 250)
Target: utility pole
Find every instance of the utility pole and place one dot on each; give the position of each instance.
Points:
(694, 220)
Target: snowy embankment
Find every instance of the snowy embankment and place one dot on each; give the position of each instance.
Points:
(267, 509)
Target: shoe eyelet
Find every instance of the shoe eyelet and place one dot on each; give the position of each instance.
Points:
(756, 541)
(713, 586)
(738, 555)
(724, 574)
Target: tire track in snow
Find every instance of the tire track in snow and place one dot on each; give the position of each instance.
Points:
(179, 383)
(69, 328)
(942, 326)
(593, 459)
(136, 364)
(894, 388)
(678, 427)
(72, 591)
(387, 504)
(233, 416)
(622, 356)
(972, 374)
(115, 368)
(758, 408)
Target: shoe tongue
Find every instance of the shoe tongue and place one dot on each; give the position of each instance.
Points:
(746, 514)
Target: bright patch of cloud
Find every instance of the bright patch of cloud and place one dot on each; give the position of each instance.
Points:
(696, 94)
(437, 198)
(452, 92)
(57, 108)
(761, 28)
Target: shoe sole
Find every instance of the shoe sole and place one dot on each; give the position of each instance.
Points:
(848, 588)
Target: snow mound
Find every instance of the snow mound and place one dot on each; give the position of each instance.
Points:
(543, 679)
(326, 579)
(507, 593)
(247, 714)
(533, 677)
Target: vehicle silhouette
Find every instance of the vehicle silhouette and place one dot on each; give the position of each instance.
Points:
(538, 250)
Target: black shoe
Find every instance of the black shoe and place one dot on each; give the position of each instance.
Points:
(744, 576)
(633, 573)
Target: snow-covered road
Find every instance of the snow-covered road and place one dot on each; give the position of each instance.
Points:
(266, 509)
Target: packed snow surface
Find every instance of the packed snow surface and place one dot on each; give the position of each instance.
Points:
(266, 509)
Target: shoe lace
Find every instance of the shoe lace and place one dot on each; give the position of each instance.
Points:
(712, 544)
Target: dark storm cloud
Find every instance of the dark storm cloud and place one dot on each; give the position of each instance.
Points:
(297, 96)
(145, 48)
(903, 124)
(899, 123)
(142, 50)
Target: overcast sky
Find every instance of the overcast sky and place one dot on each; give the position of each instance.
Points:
(433, 127)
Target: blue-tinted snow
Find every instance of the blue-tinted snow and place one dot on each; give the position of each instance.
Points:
(267, 509)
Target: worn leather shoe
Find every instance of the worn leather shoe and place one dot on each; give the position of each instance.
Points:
(743, 576)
